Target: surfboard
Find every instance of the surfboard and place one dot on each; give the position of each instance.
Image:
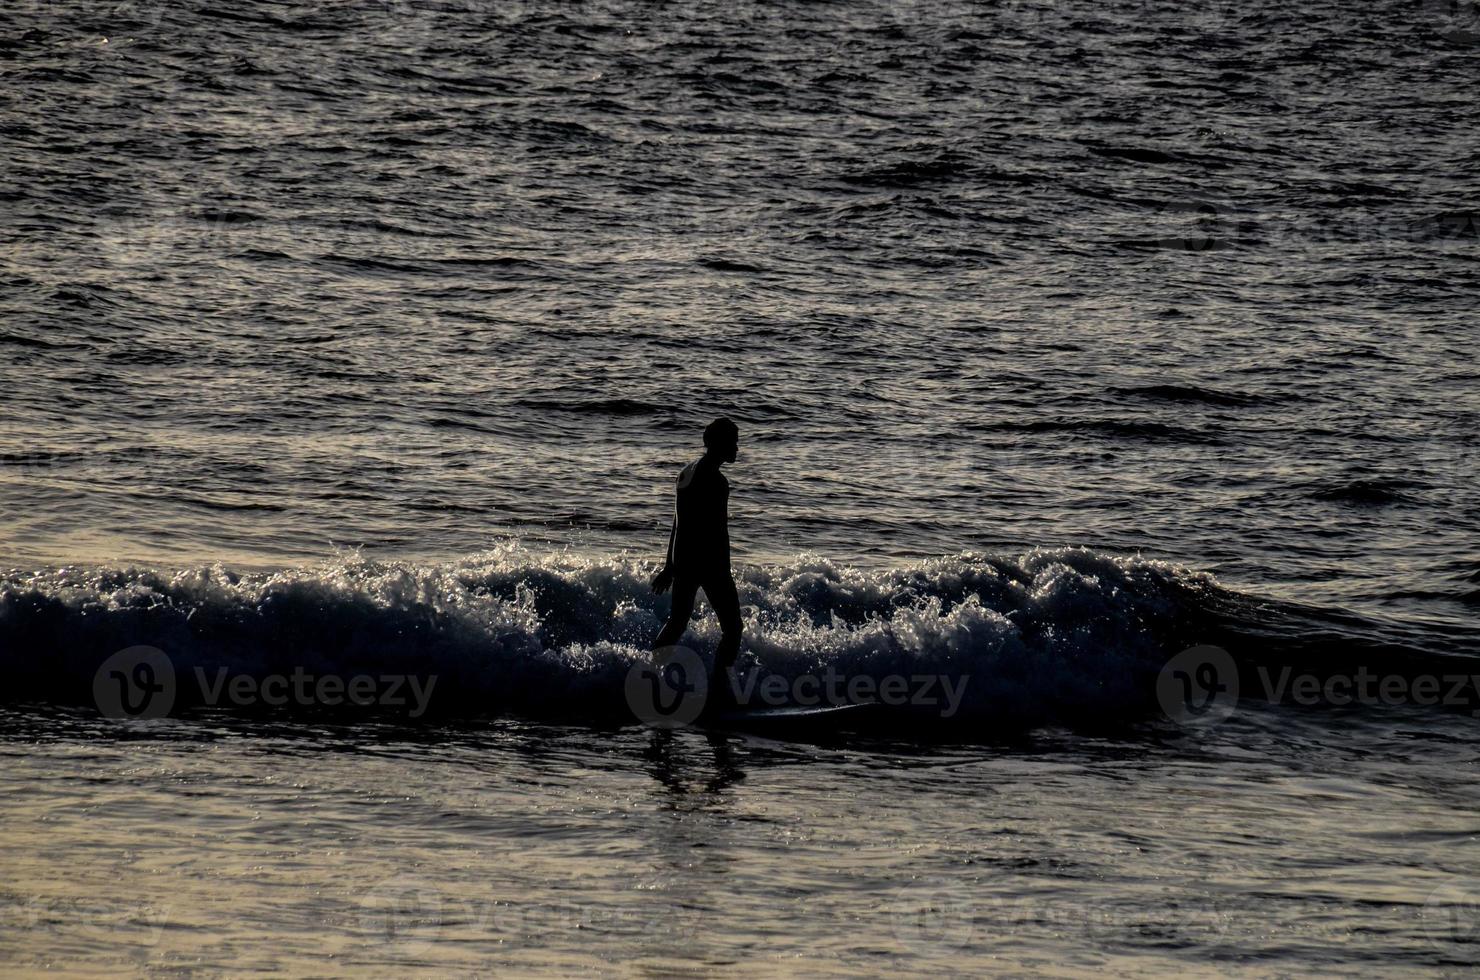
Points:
(777, 716)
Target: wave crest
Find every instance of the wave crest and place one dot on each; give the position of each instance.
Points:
(1049, 635)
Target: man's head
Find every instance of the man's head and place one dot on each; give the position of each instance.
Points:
(722, 439)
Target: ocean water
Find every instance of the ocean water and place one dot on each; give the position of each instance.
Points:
(366, 338)
(1272, 847)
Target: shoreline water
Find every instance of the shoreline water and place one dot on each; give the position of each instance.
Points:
(1271, 843)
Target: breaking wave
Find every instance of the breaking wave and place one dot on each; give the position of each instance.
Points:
(1052, 636)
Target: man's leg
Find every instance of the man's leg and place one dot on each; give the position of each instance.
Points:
(720, 591)
(684, 590)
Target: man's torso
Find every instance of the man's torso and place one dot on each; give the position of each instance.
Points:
(702, 542)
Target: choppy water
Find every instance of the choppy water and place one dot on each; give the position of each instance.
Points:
(1061, 336)
(415, 276)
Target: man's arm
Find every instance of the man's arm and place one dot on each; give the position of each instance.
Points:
(664, 578)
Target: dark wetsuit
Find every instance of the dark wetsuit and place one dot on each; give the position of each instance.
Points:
(699, 555)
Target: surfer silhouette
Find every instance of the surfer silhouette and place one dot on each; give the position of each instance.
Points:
(699, 551)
